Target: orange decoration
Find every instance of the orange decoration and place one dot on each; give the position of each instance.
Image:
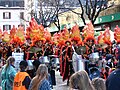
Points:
(100, 38)
(117, 34)
(20, 33)
(107, 36)
(6, 36)
(47, 35)
(0, 34)
(12, 32)
(88, 32)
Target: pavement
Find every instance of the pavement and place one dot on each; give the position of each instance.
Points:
(60, 85)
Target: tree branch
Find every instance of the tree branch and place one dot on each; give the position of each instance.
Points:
(94, 11)
(97, 14)
(82, 14)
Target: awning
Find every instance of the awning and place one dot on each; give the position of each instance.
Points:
(108, 18)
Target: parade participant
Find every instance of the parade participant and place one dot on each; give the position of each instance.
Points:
(48, 49)
(80, 81)
(8, 73)
(9, 51)
(1, 50)
(61, 54)
(68, 68)
(41, 47)
(22, 78)
(78, 52)
(89, 39)
(28, 41)
(4, 51)
(40, 82)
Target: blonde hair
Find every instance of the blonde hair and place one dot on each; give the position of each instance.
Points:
(81, 81)
(9, 61)
(41, 74)
(99, 84)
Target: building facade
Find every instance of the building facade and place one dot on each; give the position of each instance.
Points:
(12, 13)
(111, 16)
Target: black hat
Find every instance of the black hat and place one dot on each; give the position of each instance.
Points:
(23, 63)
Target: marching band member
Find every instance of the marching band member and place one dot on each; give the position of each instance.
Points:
(68, 68)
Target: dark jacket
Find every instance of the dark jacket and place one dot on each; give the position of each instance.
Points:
(113, 81)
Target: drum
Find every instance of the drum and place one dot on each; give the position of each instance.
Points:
(44, 59)
(94, 72)
(30, 65)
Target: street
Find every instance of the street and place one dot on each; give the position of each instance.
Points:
(60, 85)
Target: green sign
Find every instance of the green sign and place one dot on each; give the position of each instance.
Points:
(108, 18)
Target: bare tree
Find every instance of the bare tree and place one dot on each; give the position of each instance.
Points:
(49, 11)
(91, 9)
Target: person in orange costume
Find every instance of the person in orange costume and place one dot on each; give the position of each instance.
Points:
(22, 78)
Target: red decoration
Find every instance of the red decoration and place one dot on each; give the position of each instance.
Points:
(107, 36)
(117, 34)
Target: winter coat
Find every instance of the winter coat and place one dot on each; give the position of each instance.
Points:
(113, 81)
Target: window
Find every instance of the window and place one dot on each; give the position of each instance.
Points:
(6, 27)
(21, 15)
(6, 15)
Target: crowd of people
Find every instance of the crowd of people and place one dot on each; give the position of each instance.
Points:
(97, 72)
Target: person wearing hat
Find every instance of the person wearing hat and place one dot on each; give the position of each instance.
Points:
(22, 78)
(113, 80)
(68, 67)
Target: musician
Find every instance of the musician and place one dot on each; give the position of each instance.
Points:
(30, 53)
(9, 51)
(48, 49)
(89, 44)
(68, 68)
(40, 46)
(61, 52)
(28, 41)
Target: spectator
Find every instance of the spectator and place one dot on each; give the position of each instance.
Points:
(8, 73)
(0, 74)
(22, 78)
(99, 84)
(113, 80)
(80, 81)
(40, 82)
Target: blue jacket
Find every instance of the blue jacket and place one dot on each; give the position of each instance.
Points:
(43, 86)
(8, 75)
(113, 81)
